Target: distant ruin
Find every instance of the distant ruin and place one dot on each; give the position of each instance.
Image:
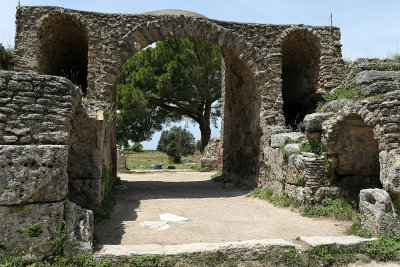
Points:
(57, 134)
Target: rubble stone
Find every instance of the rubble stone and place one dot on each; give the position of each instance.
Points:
(377, 213)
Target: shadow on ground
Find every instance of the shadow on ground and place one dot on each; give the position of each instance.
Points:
(129, 194)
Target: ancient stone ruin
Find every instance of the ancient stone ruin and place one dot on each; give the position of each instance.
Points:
(58, 156)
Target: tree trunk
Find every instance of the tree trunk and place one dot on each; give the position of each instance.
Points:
(204, 124)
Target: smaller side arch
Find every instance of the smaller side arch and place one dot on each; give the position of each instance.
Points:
(63, 49)
(301, 52)
(354, 149)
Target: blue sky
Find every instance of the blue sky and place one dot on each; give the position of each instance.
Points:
(370, 28)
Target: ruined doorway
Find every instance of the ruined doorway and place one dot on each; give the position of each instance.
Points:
(241, 132)
(300, 73)
(63, 49)
(357, 154)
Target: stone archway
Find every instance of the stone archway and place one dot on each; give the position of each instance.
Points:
(300, 73)
(356, 155)
(241, 132)
(63, 49)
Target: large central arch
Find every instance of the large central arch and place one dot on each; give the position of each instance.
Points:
(240, 131)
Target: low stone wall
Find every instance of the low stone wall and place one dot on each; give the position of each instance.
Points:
(36, 116)
(358, 141)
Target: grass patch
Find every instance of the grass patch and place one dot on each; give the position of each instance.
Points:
(357, 229)
(277, 200)
(343, 92)
(332, 254)
(383, 249)
(146, 160)
(339, 209)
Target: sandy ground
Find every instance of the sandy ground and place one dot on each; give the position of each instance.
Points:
(215, 213)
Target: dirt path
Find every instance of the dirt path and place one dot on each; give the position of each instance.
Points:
(215, 213)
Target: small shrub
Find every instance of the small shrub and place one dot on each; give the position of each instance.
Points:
(33, 230)
(357, 229)
(84, 260)
(316, 148)
(59, 242)
(383, 249)
(136, 147)
(145, 261)
(328, 255)
(195, 168)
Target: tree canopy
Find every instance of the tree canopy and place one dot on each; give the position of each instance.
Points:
(176, 142)
(178, 78)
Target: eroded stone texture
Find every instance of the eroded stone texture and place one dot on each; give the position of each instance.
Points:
(32, 174)
(377, 213)
(86, 155)
(208, 164)
(121, 160)
(79, 229)
(36, 109)
(17, 242)
(211, 149)
(254, 56)
(390, 171)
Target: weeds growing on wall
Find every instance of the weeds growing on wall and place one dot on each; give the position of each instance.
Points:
(33, 230)
(343, 92)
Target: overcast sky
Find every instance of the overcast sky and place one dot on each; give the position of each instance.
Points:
(370, 28)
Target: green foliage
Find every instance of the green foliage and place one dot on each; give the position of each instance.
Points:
(146, 261)
(176, 142)
(178, 78)
(196, 168)
(342, 92)
(59, 241)
(383, 249)
(357, 229)
(103, 211)
(313, 147)
(328, 255)
(336, 208)
(199, 146)
(2, 245)
(136, 147)
(278, 200)
(33, 230)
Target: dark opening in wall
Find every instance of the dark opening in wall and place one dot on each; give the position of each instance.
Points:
(357, 154)
(300, 71)
(63, 49)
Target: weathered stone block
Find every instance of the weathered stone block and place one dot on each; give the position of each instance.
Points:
(381, 87)
(211, 149)
(390, 171)
(370, 76)
(208, 164)
(86, 193)
(335, 105)
(79, 228)
(32, 173)
(278, 140)
(292, 148)
(377, 213)
(17, 242)
(313, 122)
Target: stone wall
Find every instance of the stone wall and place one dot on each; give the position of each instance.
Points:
(252, 53)
(358, 141)
(36, 116)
